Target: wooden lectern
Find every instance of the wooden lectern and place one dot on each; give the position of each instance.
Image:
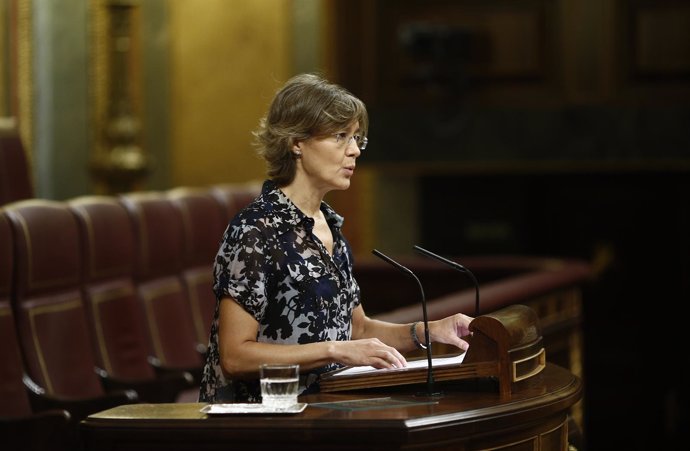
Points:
(530, 412)
(505, 345)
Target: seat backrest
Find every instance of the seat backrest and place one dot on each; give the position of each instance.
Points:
(6, 258)
(119, 337)
(16, 182)
(15, 400)
(158, 263)
(235, 196)
(47, 301)
(203, 223)
(20, 427)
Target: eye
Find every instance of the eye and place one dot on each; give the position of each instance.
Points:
(340, 137)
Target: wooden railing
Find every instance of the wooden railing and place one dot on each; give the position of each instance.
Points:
(552, 287)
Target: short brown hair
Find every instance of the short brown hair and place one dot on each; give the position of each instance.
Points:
(306, 106)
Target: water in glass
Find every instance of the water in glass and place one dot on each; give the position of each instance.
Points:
(279, 386)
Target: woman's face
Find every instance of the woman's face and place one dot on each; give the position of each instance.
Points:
(328, 162)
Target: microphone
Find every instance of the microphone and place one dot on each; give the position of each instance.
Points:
(430, 369)
(458, 267)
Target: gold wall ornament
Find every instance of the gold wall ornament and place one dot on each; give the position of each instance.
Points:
(5, 89)
(25, 76)
(120, 164)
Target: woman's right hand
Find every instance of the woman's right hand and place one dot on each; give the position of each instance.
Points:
(367, 352)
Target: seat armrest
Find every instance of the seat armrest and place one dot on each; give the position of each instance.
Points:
(162, 370)
(163, 389)
(78, 408)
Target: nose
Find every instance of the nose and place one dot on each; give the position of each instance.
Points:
(353, 148)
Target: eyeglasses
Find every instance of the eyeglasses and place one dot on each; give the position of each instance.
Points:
(342, 140)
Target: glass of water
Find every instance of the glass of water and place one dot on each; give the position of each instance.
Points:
(279, 385)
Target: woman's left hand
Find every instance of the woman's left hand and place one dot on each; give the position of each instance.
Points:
(450, 329)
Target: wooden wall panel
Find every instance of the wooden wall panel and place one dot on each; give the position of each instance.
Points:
(429, 49)
(652, 55)
(535, 53)
(661, 40)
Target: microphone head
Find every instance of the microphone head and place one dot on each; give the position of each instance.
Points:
(402, 268)
(455, 265)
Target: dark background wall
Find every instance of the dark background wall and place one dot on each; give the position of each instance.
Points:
(633, 227)
(550, 127)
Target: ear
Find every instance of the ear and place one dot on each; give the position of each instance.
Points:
(297, 148)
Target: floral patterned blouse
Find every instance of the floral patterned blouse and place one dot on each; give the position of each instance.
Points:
(272, 264)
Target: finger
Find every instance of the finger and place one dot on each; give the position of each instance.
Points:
(396, 359)
(401, 360)
(464, 345)
(386, 359)
(380, 363)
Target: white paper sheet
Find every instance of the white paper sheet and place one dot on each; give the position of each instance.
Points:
(421, 363)
(255, 408)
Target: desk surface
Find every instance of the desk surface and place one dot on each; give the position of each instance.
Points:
(469, 415)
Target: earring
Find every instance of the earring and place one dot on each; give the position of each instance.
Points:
(297, 153)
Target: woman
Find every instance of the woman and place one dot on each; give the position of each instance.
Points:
(283, 272)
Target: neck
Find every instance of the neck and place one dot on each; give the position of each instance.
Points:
(307, 200)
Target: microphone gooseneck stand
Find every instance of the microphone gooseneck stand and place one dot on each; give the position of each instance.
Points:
(458, 267)
(430, 369)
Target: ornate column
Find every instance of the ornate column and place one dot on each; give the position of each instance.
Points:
(119, 163)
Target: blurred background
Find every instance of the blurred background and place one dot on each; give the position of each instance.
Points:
(538, 127)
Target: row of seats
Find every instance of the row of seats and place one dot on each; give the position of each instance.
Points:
(107, 300)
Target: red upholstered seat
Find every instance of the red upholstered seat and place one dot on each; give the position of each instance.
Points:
(15, 399)
(15, 178)
(116, 319)
(49, 309)
(203, 222)
(108, 249)
(158, 264)
(49, 304)
(20, 426)
(234, 196)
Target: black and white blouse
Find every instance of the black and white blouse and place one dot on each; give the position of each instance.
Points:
(272, 264)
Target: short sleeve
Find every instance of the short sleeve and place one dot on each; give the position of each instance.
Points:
(241, 268)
